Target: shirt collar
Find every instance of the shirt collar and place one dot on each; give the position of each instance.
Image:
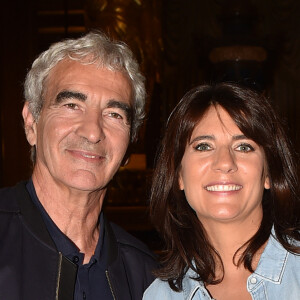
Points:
(272, 261)
(190, 286)
(62, 242)
(270, 267)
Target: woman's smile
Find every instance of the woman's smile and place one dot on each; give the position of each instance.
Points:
(223, 187)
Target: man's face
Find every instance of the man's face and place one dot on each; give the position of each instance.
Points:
(84, 127)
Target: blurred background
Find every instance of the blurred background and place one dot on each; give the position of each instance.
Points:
(179, 44)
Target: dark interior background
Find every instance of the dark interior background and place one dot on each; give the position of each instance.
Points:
(179, 44)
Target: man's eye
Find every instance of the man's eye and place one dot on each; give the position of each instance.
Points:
(71, 105)
(115, 115)
(203, 147)
(244, 148)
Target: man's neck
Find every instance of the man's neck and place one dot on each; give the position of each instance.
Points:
(75, 213)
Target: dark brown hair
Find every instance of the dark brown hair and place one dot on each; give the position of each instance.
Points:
(186, 243)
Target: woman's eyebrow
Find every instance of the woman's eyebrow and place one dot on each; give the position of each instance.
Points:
(212, 137)
(70, 95)
(240, 137)
(203, 137)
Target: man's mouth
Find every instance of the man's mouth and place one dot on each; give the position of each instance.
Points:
(223, 187)
(89, 156)
(85, 155)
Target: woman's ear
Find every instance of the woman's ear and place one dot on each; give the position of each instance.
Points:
(267, 183)
(180, 182)
(29, 125)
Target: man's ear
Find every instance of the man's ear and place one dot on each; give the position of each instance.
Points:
(29, 125)
(125, 162)
(126, 157)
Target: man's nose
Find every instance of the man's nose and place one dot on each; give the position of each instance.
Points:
(224, 160)
(91, 127)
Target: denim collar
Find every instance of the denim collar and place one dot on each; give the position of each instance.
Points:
(272, 261)
(190, 286)
(270, 267)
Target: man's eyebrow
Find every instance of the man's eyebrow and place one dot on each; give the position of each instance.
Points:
(70, 95)
(124, 106)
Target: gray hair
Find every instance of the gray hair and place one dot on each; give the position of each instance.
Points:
(92, 48)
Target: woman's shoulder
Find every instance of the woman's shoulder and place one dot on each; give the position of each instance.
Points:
(160, 289)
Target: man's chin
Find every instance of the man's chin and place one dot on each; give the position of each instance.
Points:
(84, 181)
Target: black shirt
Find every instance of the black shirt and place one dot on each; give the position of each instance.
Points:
(91, 282)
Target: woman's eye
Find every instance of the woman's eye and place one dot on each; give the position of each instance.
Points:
(245, 148)
(203, 147)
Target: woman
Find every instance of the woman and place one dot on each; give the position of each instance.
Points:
(225, 199)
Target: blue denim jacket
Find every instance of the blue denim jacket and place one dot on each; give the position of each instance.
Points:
(277, 276)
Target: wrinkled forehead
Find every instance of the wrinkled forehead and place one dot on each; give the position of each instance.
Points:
(71, 68)
(89, 60)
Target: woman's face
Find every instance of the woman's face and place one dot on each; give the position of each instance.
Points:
(223, 173)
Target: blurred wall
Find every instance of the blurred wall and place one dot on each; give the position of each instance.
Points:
(185, 32)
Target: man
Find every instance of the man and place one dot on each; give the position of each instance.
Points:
(84, 104)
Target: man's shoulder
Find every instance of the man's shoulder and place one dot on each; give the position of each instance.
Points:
(125, 239)
(9, 197)
(130, 259)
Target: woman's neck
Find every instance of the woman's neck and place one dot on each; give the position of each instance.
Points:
(230, 241)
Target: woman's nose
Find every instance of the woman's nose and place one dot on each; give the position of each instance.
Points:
(224, 160)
